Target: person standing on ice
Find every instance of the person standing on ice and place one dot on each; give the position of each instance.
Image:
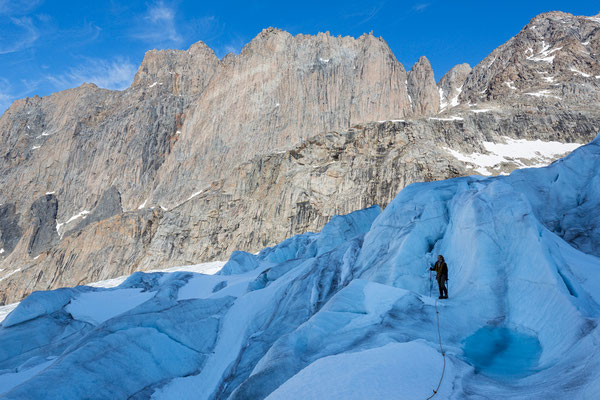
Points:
(441, 275)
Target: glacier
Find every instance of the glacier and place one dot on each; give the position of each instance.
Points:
(350, 312)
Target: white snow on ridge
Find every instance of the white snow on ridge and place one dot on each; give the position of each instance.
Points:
(443, 103)
(510, 85)
(195, 194)
(545, 54)
(10, 274)
(82, 214)
(543, 93)
(595, 19)
(580, 73)
(514, 151)
(1, 251)
(454, 102)
(47, 133)
(482, 110)
(143, 205)
(152, 85)
(451, 118)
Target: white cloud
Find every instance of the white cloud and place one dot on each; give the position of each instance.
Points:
(21, 7)
(233, 46)
(6, 98)
(365, 13)
(420, 7)
(116, 74)
(158, 26)
(5, 102)
(20, 34)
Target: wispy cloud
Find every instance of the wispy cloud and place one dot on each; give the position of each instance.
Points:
(161, 26)
(158, 26)
(420, 7)
(18, 34)
(366, 14)
(18, 7)
(116, 74)
(233, 46)
(205, 28)
(5, 102)
(6, 97)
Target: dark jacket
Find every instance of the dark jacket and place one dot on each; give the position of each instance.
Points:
(441, 271)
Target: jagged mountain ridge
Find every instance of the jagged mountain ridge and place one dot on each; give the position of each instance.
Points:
(157, 147)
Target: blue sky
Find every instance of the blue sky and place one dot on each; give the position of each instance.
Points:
(47, 46)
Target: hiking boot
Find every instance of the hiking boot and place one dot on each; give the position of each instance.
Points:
(441, 297)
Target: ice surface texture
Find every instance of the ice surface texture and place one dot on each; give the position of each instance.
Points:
(346, 312)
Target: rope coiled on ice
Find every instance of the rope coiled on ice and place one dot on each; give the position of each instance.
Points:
(437, 316)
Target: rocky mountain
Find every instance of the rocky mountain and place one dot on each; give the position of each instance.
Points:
(202, 156)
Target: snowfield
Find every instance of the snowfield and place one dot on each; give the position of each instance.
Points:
(349, 312)
(525, 153)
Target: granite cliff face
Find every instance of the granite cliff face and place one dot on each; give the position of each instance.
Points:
(278, 90)
(200, 156)
(422, 89)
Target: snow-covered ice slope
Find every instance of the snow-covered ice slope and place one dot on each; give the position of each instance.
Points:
(347, 313)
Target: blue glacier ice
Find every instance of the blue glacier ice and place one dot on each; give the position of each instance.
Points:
(348, 312)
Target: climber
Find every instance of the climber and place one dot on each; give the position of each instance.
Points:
(441, 275)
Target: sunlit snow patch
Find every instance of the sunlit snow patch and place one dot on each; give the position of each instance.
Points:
(580, 73)
(208, 268)
(542, 93)
(451, 118)
(97, 307)
(10, 273)
(5, 310)
(536, 153)
(82, 214)
(545, 54)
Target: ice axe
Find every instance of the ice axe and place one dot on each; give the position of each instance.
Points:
(429, 281)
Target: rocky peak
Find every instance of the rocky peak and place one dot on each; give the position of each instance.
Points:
(450, 85)
(553, 57)
(185, 72)
(423, 92)
(269, 40)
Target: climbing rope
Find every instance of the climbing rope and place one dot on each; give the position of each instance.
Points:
(437, 316)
